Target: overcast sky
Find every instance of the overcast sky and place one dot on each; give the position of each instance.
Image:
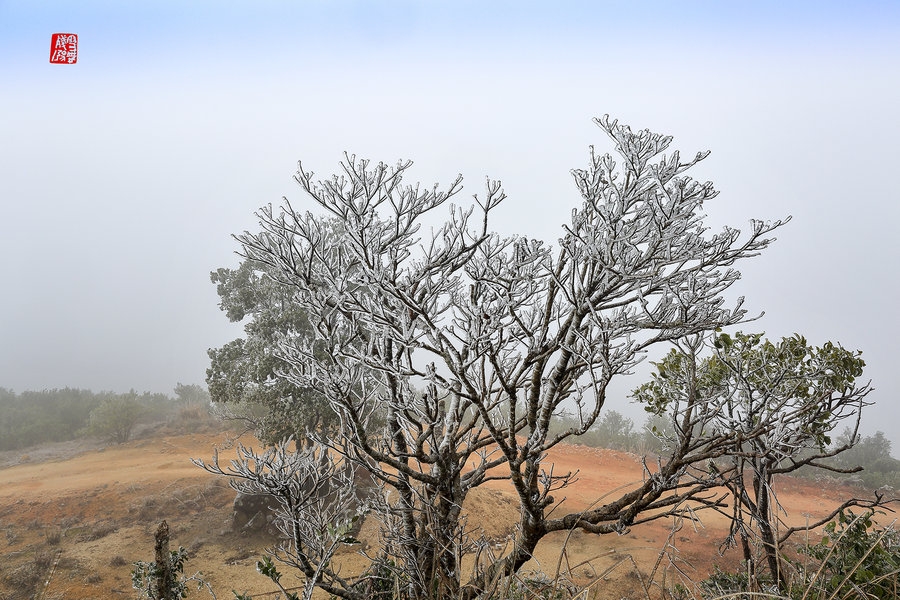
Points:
(123, 176)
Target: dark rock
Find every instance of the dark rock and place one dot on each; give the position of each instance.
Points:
(252, 511)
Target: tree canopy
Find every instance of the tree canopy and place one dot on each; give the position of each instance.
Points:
(769, 408)
(446, 356)
(244, 373)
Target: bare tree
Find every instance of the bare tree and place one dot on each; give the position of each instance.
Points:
(775, 405)
(319, 506)
(465, 344)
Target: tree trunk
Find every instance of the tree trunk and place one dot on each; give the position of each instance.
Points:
(766, 532)
(164, 578)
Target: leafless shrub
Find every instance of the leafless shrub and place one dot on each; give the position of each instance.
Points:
(117, 561)
(318, 500)
(53, 537)
(69, 521)
(98, 531)
(34, 524)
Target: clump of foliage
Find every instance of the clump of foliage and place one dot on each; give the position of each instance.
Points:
(855, 559)
(145, 574)
(114, 418)
(163, 578)
(780, 401)
(243, 374)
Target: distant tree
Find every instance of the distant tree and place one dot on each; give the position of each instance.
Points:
(780, 401)
(613, 430)
(115, 417)
(865, 451)
(657, 435)
(447, 357)
(246, 372)
(191, 394)
(871, 452)
(36, 417)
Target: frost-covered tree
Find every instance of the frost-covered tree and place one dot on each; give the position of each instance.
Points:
(319, 507)
(243, 374)
(447, 354)
(770, 408)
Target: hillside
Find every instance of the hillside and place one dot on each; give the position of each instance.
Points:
(93, 511)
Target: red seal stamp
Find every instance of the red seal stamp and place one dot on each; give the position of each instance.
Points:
(63, 49)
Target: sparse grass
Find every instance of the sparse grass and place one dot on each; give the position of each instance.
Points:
(98, 531)
(69, 521)
(627, 581)
(147, 508)
(26, 579)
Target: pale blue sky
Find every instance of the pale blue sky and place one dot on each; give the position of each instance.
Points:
(122, 177)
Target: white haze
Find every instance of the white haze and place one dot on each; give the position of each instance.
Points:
(123, 176)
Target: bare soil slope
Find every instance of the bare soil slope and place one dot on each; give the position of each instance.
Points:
(83, 519)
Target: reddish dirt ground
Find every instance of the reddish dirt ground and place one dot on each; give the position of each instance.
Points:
(94, 514)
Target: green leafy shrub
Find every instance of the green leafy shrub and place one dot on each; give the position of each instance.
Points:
(145, 573)
(856, 559)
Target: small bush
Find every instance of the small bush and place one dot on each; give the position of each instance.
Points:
(53, 537)
(115, 418)
(25, 579)
(855, 557)
(70, 521)
(147, 509)
(43, 560)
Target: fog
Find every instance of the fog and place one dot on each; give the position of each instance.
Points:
(124, 175)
